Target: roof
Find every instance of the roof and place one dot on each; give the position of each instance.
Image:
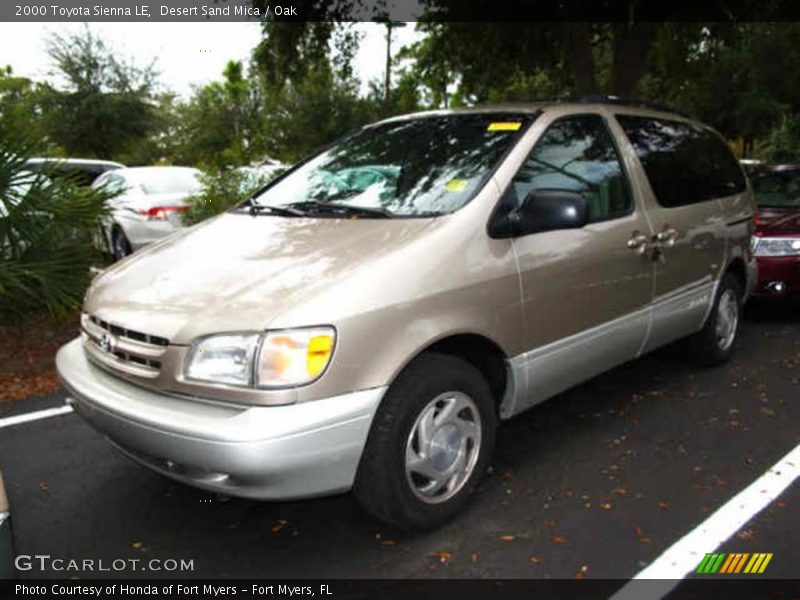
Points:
(74, 161)
(535, 106)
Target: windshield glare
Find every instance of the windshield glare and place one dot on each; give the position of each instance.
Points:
(419, 167)
(778, 189)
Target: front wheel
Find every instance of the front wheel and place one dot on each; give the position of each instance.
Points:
(429, 445)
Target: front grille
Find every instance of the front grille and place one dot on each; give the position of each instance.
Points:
(129, 333)
(132, 352)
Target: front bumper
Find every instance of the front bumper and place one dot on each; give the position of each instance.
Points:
(276, 452)
(784, 270)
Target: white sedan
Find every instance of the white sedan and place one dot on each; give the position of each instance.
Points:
(148, 206)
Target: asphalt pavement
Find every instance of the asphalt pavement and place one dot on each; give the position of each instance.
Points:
(595, 483)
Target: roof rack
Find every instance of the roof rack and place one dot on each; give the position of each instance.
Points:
(619, 100)
(611, 99)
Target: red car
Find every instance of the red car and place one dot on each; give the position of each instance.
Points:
(776, 243)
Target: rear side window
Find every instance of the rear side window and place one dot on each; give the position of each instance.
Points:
(685, 163)
(578, 154)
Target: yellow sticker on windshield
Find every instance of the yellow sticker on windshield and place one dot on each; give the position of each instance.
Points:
(504, 126)
(456, 185)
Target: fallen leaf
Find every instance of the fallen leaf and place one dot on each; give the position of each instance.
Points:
(507, 538)
(605, 505)
(550, 523)
(581, 572)
(535, 560)
(388, 542)
(559, 539)
(645, 540)
(663, 505)
(620, 491)
(137, 545)
(474, 558)
(637, 530)
(43, 486)
(278, 526)
(444, 557)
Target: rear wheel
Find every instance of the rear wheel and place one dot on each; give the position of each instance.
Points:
(429, 444)
(714, 344)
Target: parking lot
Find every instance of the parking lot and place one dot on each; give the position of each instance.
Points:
(596, 483)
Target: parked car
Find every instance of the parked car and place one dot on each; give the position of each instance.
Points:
(148, 206)
(84, 171)
(776, 243)
(341, 331)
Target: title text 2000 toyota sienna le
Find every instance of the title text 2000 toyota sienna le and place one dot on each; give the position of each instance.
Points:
(366, 320)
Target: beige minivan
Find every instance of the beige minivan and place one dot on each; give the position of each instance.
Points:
(365, 321)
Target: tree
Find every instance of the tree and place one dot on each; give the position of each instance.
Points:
(20, 112)
(782, 144)
(741, 78)
(222, 123)
(104, 105)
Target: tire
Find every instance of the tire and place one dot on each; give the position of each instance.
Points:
(715, 343)
(451, 400)
(120, 246)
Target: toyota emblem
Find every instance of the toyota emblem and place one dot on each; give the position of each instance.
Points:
(106, 343)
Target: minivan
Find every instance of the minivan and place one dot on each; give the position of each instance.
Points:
(365, 320)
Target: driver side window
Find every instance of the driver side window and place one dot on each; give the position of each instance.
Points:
(577, 154)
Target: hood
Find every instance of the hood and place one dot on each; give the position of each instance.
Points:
(237, 272)
(778, 222)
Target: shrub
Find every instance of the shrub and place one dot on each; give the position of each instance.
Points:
(782, 145)
(221, 191)
(47, 232)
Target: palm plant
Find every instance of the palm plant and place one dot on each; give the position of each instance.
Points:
(47, 232)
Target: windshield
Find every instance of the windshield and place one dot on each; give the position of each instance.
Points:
(420, 167)
(777, 189)
(169, 181)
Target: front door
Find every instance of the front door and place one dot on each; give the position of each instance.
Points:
(586, 292)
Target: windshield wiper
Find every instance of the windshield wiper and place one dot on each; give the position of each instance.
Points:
(343, 209)
(281, 211)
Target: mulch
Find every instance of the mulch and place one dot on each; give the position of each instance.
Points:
(27, 354)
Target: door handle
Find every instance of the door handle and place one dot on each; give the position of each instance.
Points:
(667, 236)
(639, 242)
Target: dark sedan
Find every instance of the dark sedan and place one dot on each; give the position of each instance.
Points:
(776, 243)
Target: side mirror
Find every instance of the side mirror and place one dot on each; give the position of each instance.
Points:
(543, 210)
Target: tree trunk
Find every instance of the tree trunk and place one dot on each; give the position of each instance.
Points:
(632, 44)
(579, 52)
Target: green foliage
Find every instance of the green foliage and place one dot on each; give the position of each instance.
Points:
(313, 111)
(221, 191)
(222, 123)
(106, 104)
(18, 108)
(782, 144)
(47, 228)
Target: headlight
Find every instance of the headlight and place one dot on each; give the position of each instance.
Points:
(775, 246)
(223, 359)
(273, 359)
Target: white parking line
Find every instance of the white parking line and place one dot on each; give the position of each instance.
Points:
(35, 416)
(685, 555)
